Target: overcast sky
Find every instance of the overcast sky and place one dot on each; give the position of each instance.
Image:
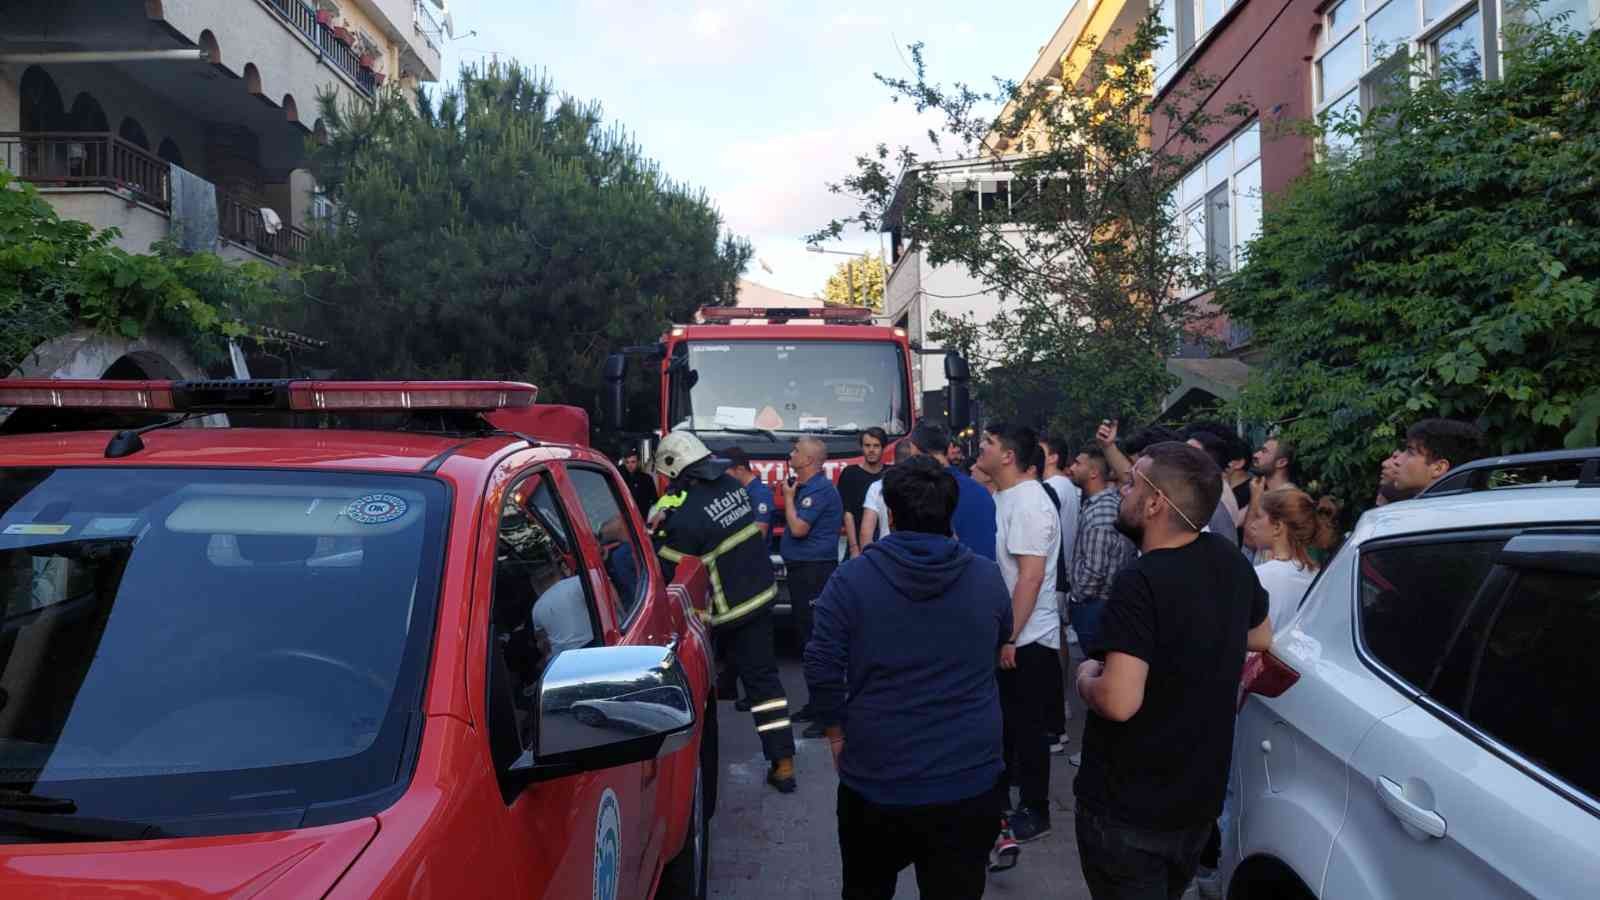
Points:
(760, 103)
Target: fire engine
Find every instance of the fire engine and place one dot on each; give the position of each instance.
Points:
(758, 378)
(370, 639)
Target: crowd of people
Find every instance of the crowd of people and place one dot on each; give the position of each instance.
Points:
(939, 652)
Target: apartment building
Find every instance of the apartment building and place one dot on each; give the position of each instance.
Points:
(1293, 61)
(161, 117)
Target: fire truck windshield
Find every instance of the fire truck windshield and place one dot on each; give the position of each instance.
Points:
(835, 387)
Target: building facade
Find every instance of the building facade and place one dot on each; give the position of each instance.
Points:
(916, 289)
(159, 116)
(1294, 61)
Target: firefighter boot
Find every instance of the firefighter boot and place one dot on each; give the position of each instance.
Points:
(781, 775)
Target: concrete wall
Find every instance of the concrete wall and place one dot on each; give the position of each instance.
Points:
(1275, 78)
(140, 225)
(88, 354)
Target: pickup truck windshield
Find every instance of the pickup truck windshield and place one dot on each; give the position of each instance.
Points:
(213, 651)
(827, 386)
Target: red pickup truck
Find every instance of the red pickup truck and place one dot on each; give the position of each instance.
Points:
(420, 649)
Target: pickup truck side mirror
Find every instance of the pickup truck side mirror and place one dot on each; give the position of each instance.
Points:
(603, 707)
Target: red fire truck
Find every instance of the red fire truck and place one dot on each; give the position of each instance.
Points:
(411, 640)
(758, 378)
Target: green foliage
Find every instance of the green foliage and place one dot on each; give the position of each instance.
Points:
(1448, 269)
(857, 282)
(1085, 264)
(501, 230)
(57, 274)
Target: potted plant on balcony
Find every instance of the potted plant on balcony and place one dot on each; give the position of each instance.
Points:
(368, 60)
(344, 35)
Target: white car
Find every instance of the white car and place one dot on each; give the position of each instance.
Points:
(1423, 727)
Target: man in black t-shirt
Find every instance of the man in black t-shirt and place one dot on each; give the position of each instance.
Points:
(1161, 702)
(641, 485)
(854, 481)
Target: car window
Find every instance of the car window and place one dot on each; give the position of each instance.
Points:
(540, 605)
(152, 619)
(606, 520)
(1536, 678)
(1414, 598)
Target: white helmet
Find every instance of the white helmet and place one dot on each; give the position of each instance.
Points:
(678, 451)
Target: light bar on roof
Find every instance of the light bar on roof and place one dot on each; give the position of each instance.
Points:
(266, 394)
(825, 313)
(61, 393)
(467, 396)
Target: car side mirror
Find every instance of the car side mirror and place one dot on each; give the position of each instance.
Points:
(615, 374)
(603, 707)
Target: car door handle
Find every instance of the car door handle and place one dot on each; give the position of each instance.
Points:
(1408, 811)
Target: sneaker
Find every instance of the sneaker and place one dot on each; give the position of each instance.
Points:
(1006, 851)
(814, 730)
(743, 704)
(1076, 759)
(781, 776)
(803, 715)
(1209, 883)
(1060, 746)
(1028, 825)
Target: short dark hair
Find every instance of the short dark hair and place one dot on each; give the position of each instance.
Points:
(1147, 436)
(630, 450)
(1214, 446)
(1097, 456)
(736, 457)
(1188, 477)
(1021, 440)
(1059, 446)
(1452, 440)
(1233, 445)
(921, 496)
(879, 433)
(930, 437)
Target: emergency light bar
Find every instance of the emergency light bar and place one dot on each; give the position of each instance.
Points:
(266, 394)
(859, 314)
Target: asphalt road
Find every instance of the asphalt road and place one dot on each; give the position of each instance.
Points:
(769, 845)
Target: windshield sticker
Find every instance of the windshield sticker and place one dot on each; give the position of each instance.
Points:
(813, 423)
(106, 525)
(710, 348)
(29, 528)
(375, 509)
(849, 391)
(607, 847)
(736, 417)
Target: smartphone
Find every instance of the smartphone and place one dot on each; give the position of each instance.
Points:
(790, 480)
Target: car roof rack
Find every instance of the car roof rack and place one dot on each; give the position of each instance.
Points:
(1582, 465)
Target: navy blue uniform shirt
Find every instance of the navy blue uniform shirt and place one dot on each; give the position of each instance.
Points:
(761, 500)
(818, 503)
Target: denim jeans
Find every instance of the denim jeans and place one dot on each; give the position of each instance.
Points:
(1084, 617)
(1127, 862)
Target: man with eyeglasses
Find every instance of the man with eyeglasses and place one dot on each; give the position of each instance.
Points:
(1162, 688)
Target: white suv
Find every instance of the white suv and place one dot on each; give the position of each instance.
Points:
(1424, 725)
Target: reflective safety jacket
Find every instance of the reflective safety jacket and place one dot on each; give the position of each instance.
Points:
(715, 521)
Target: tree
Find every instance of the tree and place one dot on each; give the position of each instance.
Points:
(1448, 268)
(857, 282)
(59, 274)
(1081, 250)
(500, 230)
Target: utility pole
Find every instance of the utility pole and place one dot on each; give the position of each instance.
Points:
(850, 273)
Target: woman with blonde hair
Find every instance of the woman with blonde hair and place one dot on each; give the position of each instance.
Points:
(1288, 531)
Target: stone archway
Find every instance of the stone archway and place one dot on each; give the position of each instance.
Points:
(89, 354)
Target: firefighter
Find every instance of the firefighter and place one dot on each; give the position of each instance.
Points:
(706, 513)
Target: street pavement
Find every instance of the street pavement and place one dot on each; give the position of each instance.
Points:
(769, 845)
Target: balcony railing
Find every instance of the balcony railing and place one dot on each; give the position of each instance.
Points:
(303, 18)
(243, 223)
(87, 159)
(95, 159)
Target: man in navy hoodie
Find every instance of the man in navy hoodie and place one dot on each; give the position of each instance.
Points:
(901, 670)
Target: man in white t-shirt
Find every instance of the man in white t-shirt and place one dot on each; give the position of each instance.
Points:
(1027, 547)
(561, 614)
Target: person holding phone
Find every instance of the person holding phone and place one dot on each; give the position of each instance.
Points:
(813, 514)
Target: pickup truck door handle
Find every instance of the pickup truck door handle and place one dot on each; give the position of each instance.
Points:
(1408, 811)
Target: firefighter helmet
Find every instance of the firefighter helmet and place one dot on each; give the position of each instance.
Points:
(678, 451)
